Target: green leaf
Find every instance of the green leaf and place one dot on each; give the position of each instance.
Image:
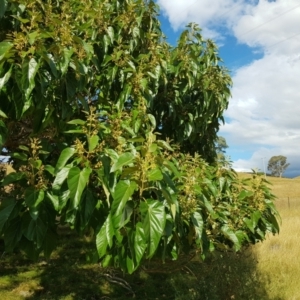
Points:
(5, 78)
(77, 122)
(172, 168)
(154, 175)
(59, 201)
(152, 120)
(4, 48)
(111, 34)
(93, 142)
(164, 145)
(198, 225)
(36, 232)
(112, 154)
(7, 206)
(65, 155)
(66, 60)
(101, 241)
(3, 6)
(50, 169)
(54, 199)
(87, 208)
(77, 181)
(140, 244)
(33, 67)
(13, 234)
(130, 265)
(244, 194)
(105, 236)
(20, 156)
(33, 198)
(25, 148)
(121, 194)
(231, 236)
(154, 220)
(125, 159)
(253, 221)
(2, 114)
(13, 177)
(60, 178)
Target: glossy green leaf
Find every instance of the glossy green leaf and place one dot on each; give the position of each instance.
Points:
(65, 155)
(152, 120)
(101, 241)
(5, 78)
(77, 181)
(164, 145)
(124, 159)
(231, 236)
(54, 199)
(121, 194)
(140, 244)
(105, 236)
(33, 67)
(61, 176)
(153, 220)
(2, 114)
(198, 225)
(33, 197)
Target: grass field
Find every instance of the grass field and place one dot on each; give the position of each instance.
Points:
(269, 270)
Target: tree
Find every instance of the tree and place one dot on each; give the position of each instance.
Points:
(109, 128)
(221, 145)
(277, 165)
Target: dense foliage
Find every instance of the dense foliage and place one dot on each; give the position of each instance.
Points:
(111, 130)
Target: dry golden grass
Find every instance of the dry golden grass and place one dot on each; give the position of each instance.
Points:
(278, 257)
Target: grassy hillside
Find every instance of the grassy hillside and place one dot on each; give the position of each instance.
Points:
(269, 270)
(279, 256)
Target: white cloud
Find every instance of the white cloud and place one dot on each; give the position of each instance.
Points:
(208, 14)
(271, 25)
(264, 111)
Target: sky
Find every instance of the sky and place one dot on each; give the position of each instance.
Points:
(259, 42)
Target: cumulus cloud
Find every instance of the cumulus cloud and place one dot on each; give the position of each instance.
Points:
(208, 14)
(263, 115)
(269, 25)
(264, 111)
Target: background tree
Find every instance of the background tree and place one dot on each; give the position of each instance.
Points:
(277, 165)
(90, 97)
(221, 145)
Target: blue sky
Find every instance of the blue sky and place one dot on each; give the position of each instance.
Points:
(259, 42)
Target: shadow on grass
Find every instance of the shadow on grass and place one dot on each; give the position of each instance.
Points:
(67, 276)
